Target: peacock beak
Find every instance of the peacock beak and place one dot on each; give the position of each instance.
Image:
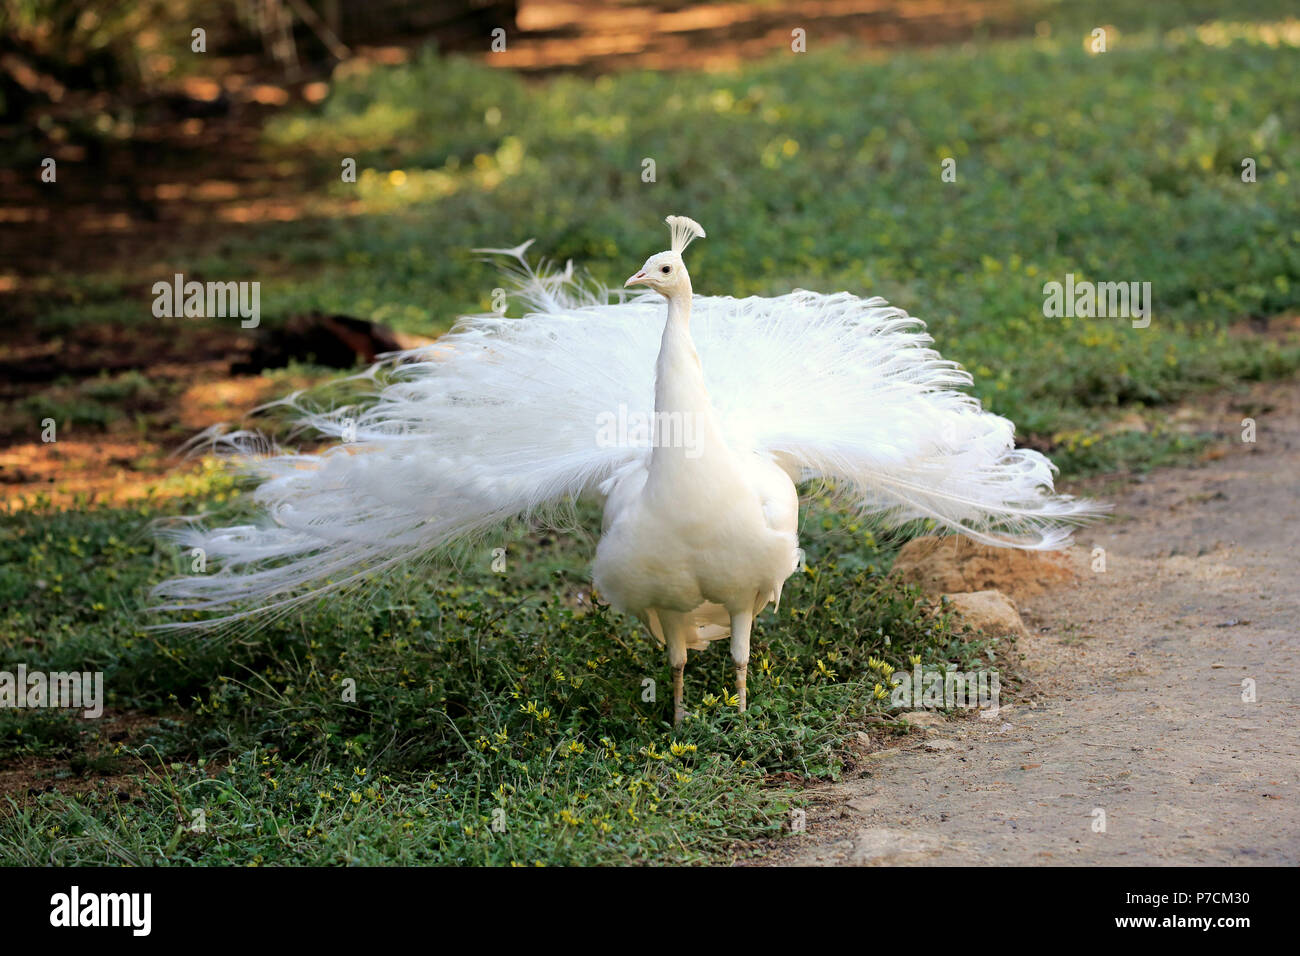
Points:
(634, 280)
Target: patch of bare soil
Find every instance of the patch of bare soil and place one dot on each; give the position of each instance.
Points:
(123, 401)
(1164, 729)
(555, 35)
(95, 764)
(117, 437)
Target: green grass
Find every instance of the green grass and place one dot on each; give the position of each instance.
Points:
(478, 691)
(475, 691)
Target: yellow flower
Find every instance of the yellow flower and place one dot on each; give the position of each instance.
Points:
(878, 665)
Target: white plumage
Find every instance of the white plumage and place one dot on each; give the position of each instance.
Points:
(693, 431)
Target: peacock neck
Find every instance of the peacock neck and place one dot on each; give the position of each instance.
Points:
(686, 429)
(679, 380)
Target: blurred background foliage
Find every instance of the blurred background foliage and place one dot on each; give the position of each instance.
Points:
(818, 170)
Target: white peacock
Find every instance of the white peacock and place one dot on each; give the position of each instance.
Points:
(741, 400)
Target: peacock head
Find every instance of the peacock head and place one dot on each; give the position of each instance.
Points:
(665, 272)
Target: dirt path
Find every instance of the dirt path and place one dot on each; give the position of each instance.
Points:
(1140, 712)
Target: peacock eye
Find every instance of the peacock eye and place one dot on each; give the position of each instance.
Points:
(667, 269)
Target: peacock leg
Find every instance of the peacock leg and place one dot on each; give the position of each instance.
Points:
(740, 627)
(676, 627)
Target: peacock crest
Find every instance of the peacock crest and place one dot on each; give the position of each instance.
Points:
(684, 229)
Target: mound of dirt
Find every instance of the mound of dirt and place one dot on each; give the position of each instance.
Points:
(952, 564)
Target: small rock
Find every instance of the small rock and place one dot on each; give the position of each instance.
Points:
(882, 846)
(935, 745)
(881, 754)
(989, 611)
(922, 718)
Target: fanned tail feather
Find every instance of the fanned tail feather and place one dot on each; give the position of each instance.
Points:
(459, 439)
(848, 390)
(497, 422)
